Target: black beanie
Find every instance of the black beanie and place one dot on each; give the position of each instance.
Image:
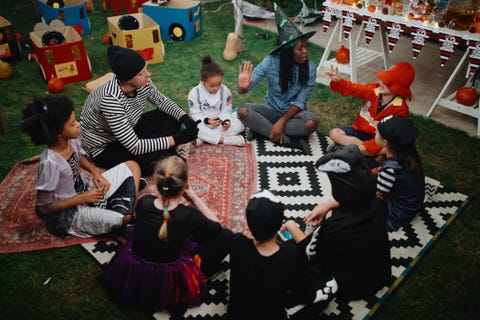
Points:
(264, 215)
(397, 130)
(125, 63)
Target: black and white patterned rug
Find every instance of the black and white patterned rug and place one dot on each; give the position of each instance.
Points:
(300, 186)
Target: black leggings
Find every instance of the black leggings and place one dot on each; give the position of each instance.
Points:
(152, 124)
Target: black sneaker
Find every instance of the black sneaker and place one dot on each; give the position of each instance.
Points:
(300, 144)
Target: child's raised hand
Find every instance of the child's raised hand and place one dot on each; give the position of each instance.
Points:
(333, 73)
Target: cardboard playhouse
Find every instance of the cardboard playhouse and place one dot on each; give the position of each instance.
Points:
(71, 12)
(9, 47)
(139, 32)
(59, 52)
(123, 6)
(179, 20)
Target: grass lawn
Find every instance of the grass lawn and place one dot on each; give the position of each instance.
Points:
(444, 285)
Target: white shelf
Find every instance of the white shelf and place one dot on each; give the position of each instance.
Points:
(362, 57)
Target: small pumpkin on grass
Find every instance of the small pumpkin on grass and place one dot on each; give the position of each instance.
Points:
(342, 55)
(55, 85)
(5, 70)
(466, 96)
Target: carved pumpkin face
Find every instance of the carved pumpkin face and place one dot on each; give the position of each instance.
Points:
(342, 55)
(466, 96)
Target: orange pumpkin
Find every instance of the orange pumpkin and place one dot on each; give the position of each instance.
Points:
(106, 39)
(5, 70)
(88, 5)
(55, 85)
(466, 96)
(342, 55)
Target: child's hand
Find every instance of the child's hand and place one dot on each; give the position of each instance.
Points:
(101, 182)
(318, 213)
(375, 170)
(333, 73)
(92, 196)
(226, 125)
(214, 122)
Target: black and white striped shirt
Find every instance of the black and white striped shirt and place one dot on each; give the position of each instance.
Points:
(109, 115)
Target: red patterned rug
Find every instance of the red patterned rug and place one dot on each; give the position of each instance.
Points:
(225, 177)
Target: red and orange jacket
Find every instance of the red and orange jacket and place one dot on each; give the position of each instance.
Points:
(367, 119)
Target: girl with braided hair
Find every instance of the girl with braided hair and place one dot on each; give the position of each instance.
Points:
(174, 248)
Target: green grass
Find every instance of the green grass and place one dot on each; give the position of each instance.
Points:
(444, 284)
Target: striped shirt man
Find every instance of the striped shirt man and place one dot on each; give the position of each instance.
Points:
(109, 115)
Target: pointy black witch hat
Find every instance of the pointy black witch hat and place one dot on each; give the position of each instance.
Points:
(288, 33)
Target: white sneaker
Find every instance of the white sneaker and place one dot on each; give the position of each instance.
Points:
(237, 140)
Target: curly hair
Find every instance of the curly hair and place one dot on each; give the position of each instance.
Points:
(44, 118)
(210, 68)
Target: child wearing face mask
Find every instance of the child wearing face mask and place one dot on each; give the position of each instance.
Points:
(211, 103)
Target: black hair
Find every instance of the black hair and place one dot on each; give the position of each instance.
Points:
(408, 157)
(287, 63)
(44, 118)
(210, 68)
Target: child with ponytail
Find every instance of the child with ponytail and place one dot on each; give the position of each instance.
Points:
(174, 248)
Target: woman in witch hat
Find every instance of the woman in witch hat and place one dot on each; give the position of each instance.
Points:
(283, 118)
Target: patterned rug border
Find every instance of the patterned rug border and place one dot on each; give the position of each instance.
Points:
(422, 252)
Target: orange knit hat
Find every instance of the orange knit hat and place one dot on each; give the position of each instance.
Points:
(398, 79)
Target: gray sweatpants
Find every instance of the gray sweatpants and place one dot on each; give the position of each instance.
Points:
(262, 117)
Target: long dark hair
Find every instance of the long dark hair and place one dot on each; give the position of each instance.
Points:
(287, 63)
(408, 157)
(44, 118)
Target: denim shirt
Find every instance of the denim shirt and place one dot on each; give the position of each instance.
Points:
(296, 93)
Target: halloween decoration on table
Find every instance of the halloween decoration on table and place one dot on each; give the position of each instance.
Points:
(460, 14)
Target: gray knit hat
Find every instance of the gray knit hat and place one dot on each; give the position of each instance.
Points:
(125, 63)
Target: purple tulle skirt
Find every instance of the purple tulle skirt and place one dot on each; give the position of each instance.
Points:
(135, 281)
